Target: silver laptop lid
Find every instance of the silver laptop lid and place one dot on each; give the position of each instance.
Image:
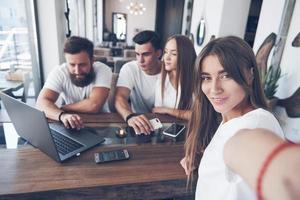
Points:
(31, 124)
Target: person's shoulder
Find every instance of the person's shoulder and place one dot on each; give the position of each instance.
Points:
(60, 70)
(259, 113)
(251, 119)
(261, 118)
(257, 118)
(130, 65)
(159, 77)
(100, 65)
(266, 116)
(58, 77)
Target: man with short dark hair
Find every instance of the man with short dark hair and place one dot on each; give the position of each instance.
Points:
(137, 80)
(83, 85)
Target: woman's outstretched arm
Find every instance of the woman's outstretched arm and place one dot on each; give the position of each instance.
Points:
(260, 154)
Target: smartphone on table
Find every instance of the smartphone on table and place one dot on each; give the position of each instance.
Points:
(113, 155)
(174, 130)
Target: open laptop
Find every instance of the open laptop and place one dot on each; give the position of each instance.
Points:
(51, 138)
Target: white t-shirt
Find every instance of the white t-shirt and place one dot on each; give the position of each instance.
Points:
(169, 100)
(215, 180)
(141, 86)
(59, 81)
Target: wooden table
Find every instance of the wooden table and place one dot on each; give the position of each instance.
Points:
(7, 86)
(152, 172)
(116, 118)
(108, 118)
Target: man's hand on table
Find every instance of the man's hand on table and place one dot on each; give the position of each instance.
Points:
(140, 124)
(72, 121)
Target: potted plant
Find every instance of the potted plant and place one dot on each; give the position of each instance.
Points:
(269, 81)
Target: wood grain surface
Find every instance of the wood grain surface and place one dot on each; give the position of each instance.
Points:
(152, 172)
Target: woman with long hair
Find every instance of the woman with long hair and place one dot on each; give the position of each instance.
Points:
(227, 97)
(174, 90)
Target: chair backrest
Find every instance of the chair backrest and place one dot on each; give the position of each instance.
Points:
(118, 65)
(112, 92)
(105, 52)
(102, 59)
(23, 92)
(129, 53)
(27, 80)
(263, 53)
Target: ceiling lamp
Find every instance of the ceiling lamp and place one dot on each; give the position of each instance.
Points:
(136, 8)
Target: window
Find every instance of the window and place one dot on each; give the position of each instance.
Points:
(18, 42)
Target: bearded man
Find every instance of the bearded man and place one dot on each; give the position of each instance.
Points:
(82, 84)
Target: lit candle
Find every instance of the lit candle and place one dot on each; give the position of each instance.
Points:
(121, 133)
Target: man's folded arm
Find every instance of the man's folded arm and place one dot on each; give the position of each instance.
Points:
(46, 102)
(92, 104)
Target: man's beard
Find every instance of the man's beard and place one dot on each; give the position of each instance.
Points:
(84, 79)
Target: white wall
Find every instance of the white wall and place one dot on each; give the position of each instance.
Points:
(211, 11)
(229, 17)
(99, 33)
(184, 24)
(269, 22)
(89, 20)
(291, 59)
(223, 17)
(234, 17)
(145, 21)
(52, 33)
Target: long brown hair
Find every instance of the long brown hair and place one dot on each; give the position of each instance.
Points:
(238, 60)
(186, 56)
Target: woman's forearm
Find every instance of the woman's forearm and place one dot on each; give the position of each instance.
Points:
(246, 153)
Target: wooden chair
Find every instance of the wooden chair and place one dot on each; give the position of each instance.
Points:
(23, 93)
(102, 59)
(112, 92)
(129, 54)
(104, 52)
(119, 64)
(263, 52)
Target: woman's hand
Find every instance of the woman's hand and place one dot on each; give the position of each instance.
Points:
(184, 165)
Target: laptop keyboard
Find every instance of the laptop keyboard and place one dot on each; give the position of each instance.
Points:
(64, 144)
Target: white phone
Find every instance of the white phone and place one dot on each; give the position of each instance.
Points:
(174, 130)
(156, 123)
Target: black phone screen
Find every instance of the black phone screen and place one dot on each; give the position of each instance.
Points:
(174, 129)
(111, 156)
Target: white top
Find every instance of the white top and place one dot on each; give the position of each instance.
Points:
(216, 181)
(141, 86)
(59, 81)
(169, 100)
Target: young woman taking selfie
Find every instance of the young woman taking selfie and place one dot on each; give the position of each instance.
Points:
(228, 97)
